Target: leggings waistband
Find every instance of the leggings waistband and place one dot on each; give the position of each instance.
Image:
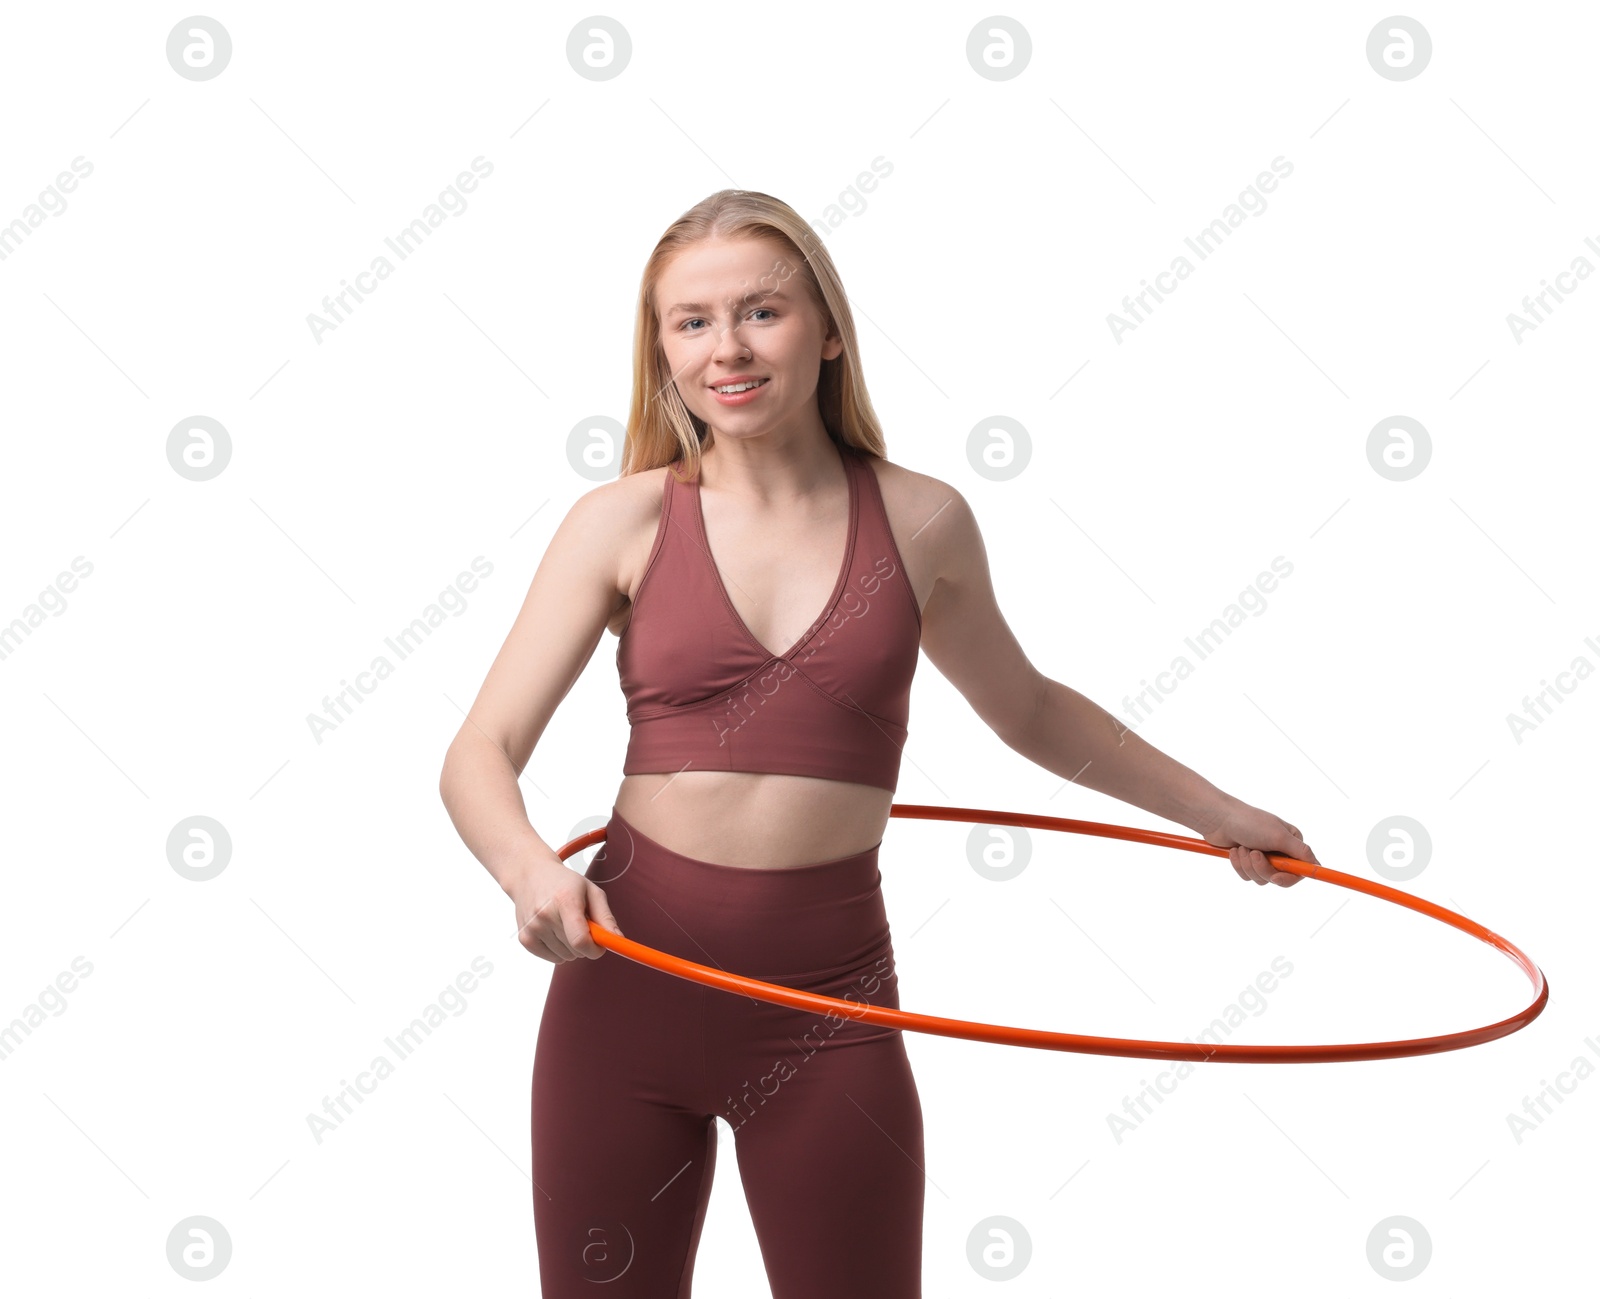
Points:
(816, 922)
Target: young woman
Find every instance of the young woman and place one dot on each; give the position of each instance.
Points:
(772, 579)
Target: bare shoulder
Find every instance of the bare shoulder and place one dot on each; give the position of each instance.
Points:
(933, 525)
(634, 498)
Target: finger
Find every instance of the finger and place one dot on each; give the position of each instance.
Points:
(1292, 848)
(1300, 850)
(553, 939)
(556, 945)
(1278, 870)
(575, 924)
(602, 912)
(538, 947)
(1242, 861)
(1277, 874)
(595, 906)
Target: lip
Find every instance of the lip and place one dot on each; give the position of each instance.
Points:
(740, 398)
(736, 378)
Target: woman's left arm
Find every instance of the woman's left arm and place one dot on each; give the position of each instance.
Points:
(965, 636)
(1075, 738)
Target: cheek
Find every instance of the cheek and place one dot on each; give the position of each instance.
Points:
(675, 359)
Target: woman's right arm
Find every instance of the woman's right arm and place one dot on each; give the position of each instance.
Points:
(574, 592)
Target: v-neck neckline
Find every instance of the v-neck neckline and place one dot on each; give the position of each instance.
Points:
(851, 525)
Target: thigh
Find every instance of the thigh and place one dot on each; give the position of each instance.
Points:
(829, 1146)
(622, 1158)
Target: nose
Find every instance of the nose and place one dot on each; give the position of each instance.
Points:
(730, 347)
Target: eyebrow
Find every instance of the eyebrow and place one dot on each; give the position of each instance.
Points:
(776, 295)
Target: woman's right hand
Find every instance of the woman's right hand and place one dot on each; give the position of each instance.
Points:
(554, 904)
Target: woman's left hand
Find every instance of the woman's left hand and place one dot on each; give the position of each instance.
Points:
(1252, 833)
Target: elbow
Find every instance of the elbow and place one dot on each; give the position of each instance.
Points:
(447, 771)
(464, 760)
(444, 781)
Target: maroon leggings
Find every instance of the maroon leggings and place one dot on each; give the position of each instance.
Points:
(633, 1066)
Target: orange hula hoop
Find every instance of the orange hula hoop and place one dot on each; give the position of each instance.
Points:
(1005, 1035)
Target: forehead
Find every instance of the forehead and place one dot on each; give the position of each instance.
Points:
(727, 272)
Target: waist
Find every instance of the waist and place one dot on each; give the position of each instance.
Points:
(754, 822)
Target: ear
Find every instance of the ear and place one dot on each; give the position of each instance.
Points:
(832, 348)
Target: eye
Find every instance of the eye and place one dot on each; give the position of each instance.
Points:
(684, 326)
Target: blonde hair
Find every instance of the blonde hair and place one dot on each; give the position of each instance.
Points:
(660, 427)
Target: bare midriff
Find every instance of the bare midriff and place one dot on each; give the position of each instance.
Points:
(755, 819)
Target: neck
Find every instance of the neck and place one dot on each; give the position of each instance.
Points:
(770, 472)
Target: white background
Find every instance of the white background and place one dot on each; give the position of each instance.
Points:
(368, 469)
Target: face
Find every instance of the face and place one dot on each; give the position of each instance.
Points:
(733, 309)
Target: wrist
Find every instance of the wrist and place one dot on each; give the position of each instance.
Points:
(1210, 811)
(528, 857)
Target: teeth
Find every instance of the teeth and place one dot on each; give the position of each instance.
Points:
(740, 387)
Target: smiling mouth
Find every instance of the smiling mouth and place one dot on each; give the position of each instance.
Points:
(728, 389)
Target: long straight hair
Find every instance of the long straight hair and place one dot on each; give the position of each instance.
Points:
(660, 427)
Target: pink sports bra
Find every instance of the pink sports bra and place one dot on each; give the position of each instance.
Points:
(703, 693)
